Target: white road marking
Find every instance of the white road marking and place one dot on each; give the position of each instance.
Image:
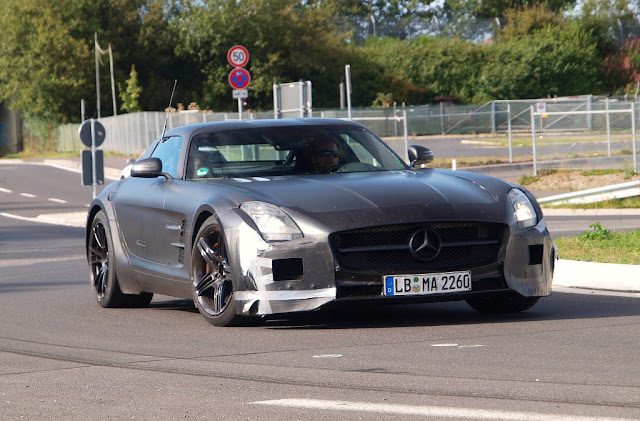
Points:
(69, 222)
(30, 261)
(53, 199)
(458, 346)
(328, 356)
(438, 412)
(29, 195)
(5, 190)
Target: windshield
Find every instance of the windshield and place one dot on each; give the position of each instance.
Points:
(288, 151)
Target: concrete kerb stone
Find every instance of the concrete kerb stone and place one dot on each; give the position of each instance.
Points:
(601, 276)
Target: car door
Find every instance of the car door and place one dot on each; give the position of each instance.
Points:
(140, 207)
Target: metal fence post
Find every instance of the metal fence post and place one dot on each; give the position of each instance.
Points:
(395, 121)
(509, 132)
(606, 103)
(441, 117)
(406, 135)
(633, 137)
(589, 115)
(533, 141)
(493, 116)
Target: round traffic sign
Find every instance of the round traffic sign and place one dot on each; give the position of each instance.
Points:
(85, 132)
(238, 56)
(239, 78)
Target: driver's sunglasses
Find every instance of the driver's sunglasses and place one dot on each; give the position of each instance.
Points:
(328, 152)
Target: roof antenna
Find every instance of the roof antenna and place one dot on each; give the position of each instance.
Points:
(164, 129)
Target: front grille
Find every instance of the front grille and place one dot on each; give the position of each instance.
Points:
(465, 245)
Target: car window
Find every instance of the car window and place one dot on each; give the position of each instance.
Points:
(203, 159)
(370, 150)
(169, 153)
(288, 150)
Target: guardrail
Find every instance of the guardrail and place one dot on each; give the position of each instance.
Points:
(598, 194)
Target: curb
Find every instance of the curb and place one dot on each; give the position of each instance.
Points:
(600, 276)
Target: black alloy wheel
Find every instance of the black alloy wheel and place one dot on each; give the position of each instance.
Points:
(102, 268)
(211, 276)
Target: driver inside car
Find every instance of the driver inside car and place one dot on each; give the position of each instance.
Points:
(324, 155)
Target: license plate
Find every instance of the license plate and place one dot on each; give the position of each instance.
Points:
(430, 283)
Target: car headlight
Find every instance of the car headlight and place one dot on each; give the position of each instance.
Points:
(523, 209)
(274, 224)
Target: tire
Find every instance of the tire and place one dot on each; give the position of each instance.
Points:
(101, 259)
(211, 277)
(501, 303)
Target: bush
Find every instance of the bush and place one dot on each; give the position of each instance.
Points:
(598, 232)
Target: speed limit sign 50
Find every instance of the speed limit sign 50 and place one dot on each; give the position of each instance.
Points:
(238, 56)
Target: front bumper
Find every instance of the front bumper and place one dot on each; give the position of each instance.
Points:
(305, 274)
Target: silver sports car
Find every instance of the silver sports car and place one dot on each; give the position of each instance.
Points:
(253, 218)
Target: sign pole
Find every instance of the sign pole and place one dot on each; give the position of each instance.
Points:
(347, 77)
(239, 109)
(95, 47)
(93, 158)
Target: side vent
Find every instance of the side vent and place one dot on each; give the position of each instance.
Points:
(535, 254)
(182, 234)
(287, 269)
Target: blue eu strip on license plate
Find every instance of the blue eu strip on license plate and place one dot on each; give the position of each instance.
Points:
(424, 284)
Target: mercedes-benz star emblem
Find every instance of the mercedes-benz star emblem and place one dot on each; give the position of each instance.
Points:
(425, 244)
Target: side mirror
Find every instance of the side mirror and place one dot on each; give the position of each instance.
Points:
(419, 155)
(148, 168)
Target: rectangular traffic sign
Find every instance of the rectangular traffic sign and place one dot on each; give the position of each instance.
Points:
(240, 93)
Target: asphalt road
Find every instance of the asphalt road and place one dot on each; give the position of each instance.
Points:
(573, 356)
(64, 357)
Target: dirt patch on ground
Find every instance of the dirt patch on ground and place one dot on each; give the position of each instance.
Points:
(567, 181)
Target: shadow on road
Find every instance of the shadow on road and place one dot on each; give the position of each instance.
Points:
(174, 304)
(368, 315)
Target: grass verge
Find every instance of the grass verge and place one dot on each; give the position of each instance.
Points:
(602, 246)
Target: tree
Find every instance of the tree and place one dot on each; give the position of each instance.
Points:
(43, 64)
(556, 60)
(155, 57)
(386, 18)
(437, 66)
(287, 41)
(47, 52)
(496, 8)
(131, 94)
(521, 22)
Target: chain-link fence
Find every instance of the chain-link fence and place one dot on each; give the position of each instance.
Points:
(132, 133)
(568, 137)
(580, 132)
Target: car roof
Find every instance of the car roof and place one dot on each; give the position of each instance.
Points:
(191, 129)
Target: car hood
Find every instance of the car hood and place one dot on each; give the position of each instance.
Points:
(349, 200)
